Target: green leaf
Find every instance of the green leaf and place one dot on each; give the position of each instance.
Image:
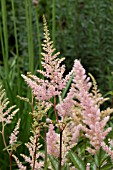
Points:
(107, 167)
(54, 162)
(66, 167)
(46, 166)
(96, 159)
(77, 161)
(67, 87)
(100, 158)
(9, 147)
(103, 156)
(94, 167)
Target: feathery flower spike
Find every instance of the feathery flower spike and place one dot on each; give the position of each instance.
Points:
(54, 81)
(90, 110)
(13, 136)
(52, 142)
(20, 166)
(6, 114)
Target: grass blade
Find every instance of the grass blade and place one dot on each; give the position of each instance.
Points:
(5, 37)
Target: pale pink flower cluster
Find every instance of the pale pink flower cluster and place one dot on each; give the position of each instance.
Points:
(6, 117)
(20, 166)
(75, 133)
(6, 114)
(13, 136)
(90, 111)
(54, 81)
(32, 146)
(34, 153)
(42, 90)
(52, 142)
(108, 149)
(64, 106)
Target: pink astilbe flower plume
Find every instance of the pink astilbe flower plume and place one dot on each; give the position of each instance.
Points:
(64, 106)
(90, 110)
(6, 114)
(52, 142)
(35, 158)
(53, 71)
(20, 166)
(33, 146)
(34, 154)
(13, 136)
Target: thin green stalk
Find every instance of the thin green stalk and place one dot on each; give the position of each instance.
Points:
(2, 44)
(45, 161)
(28, 10)
(5, 37)
(15, 29)
(39, 65)
(53, 21)
(17, 51)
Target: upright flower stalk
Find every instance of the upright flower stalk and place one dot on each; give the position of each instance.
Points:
(6, 116)
(52, 142)
(53, 73)
(35, 158)
(90, 109)
(53, 82)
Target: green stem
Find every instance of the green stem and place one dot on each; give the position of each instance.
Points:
(53, 21)
(39, 65)
(5, 37)
(45, 161)
(28, 9)
(17, 51)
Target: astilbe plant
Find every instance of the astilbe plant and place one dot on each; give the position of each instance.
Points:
(85, 110)
(36, 157)
(79, 110)
(6, 116)
(76, 115)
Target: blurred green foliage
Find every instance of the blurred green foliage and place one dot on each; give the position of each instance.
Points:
(83, 30)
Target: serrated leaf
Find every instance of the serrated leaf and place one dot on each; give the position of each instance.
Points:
(77, 161)
(54, 162)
